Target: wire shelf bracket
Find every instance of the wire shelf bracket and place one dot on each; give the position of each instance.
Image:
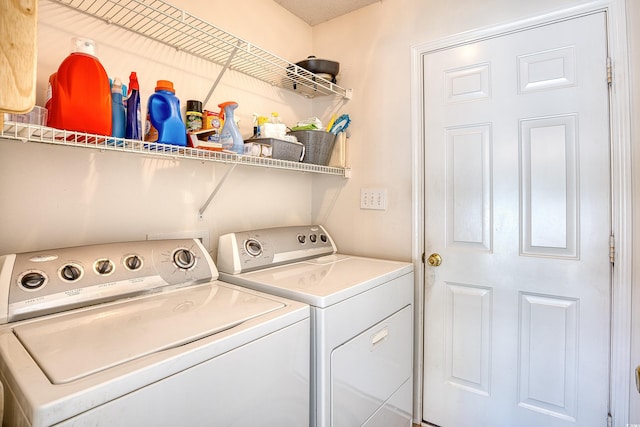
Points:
(204, 207)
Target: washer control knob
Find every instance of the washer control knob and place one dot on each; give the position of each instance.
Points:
(133, 262)
(302, 239)
(184, 259)
(313, 238)
(323, 238)
(104, 267)
(253, 247)
(70, 273)
(33, 280)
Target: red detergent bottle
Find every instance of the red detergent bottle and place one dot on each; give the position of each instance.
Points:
(79, 94)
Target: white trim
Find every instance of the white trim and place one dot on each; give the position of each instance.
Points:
(621, 187)
(417, 211)
(622, 204)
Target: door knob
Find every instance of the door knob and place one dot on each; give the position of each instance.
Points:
(434, 260)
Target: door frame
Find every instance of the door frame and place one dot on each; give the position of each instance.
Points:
(621, 188)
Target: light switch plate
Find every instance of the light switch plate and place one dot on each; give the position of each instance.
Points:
(373, 198)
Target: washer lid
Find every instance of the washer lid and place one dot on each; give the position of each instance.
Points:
(78, 344)
(323, 281)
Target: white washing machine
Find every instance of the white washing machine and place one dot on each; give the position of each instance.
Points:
(361, 319)
(142, 334)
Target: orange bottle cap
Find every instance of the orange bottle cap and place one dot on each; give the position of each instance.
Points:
(165, 85)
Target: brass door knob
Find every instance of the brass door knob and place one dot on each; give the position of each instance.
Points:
(434, 260)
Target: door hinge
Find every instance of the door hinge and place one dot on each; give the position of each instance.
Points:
(612, 249)
(423, 257)
(609, 420)
(609, 71)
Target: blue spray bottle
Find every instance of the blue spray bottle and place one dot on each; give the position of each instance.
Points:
(118, 126)
(134, 122)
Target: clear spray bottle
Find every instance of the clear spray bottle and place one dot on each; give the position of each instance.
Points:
(230, 137)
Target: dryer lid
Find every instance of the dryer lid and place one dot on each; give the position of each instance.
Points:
(323, 281)
(81, 343)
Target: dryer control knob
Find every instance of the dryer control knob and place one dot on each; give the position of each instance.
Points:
(253, 247)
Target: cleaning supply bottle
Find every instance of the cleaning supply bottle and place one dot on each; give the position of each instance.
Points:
(256, 131)
(165, 116)
(134, 122)
(118, 119)
(230, 137)
(194, 115)
(79, 97)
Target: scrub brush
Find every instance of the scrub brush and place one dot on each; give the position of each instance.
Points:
(340, 125)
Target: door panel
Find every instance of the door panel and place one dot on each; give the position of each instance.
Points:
(548, 355)
(517, 204)
(468, 337)
(549, 186)
(469, 207)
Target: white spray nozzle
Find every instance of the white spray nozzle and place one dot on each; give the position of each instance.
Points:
(117, 85)
(83, 45)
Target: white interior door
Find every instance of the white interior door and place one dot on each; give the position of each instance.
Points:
(517, 206)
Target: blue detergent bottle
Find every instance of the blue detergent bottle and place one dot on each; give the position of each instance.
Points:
(230, 137)
(165, 116)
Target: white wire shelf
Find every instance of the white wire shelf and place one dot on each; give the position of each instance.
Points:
(167, 24)
(41, 134)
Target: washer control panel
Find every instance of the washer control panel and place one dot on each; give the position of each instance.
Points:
(244, 251)
(44, 282)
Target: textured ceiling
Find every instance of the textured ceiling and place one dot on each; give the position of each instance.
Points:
(316, 11)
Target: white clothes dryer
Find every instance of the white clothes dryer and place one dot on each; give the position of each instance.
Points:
(142, 334)
(361, 319)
